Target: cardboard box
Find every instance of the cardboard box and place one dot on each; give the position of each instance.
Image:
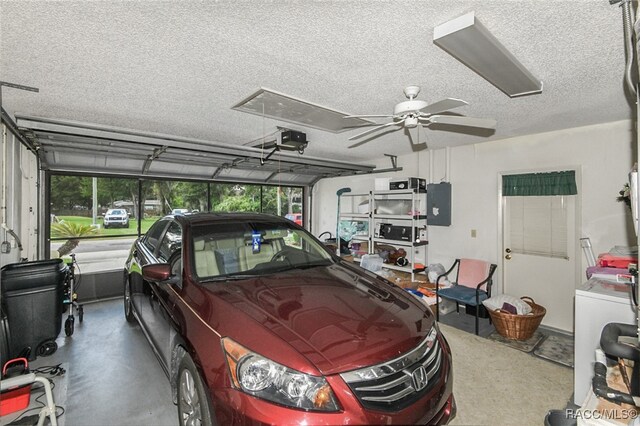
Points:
(382, 184)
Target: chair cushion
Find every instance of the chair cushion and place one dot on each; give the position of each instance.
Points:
(462, 294)
(472, 272)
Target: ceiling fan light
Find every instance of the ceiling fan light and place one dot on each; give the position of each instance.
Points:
(470, 42)
(410, 122)
(409, 106)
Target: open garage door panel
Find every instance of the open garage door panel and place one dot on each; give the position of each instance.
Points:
(73, 147)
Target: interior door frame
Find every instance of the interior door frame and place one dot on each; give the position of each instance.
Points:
(577, 220)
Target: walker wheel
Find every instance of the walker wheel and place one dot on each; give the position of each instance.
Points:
(68, 326)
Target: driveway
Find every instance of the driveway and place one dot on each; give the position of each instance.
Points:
(100, 255)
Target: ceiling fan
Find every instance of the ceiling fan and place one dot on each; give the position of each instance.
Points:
(409, 114)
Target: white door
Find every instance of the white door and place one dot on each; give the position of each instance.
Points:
(539, 253)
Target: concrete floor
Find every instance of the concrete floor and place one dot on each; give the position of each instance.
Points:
(113, 377)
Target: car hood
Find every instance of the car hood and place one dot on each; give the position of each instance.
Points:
(337, 317)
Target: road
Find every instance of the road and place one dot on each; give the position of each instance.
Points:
(100, 255)
(90, 246)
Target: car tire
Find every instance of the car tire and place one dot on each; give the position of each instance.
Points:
(194, 406)
(128, 304)
(106, 226)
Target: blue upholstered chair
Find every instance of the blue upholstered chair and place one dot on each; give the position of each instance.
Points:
(472, 284)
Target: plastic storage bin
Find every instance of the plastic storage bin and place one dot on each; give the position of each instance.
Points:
(17, 398)
(371, 262)
(32, 297)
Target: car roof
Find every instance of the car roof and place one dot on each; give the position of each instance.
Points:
(206, 217)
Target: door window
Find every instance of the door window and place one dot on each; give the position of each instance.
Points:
(152, 239)
(171, 242)
(538, 225)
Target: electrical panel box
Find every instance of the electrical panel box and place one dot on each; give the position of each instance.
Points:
(439, 204)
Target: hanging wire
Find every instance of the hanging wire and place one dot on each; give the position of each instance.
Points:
(263, 137)
(418, 156)
(279, 183)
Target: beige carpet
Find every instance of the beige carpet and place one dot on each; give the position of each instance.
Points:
(498, 385)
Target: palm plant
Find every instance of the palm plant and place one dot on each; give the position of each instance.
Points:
(72, 231)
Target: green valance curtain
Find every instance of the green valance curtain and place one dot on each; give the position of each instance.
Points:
(530, 184)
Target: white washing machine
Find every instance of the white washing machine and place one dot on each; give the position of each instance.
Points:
(598, 302)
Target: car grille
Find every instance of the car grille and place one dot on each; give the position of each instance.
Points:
(398, 383)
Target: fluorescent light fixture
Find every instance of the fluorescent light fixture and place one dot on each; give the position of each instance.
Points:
(466, 39)
(272, 104)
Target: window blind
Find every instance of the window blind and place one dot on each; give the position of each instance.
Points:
(538, 225)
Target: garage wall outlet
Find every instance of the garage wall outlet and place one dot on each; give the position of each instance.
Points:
(5, 247)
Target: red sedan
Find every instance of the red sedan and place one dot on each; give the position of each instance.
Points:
(254, 321)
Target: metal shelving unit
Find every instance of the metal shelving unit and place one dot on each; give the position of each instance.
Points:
(395, 207)
(348, 205)
(406, 208)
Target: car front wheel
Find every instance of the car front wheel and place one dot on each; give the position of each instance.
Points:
(194, 408)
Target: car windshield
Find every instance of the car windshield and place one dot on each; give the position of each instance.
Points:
(116, 212)
(225, 250)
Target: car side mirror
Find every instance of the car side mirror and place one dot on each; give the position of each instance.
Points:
(156, 272)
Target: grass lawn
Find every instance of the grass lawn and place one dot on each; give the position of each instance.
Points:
(112, 232)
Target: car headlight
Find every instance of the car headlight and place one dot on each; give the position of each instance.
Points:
(259, 376)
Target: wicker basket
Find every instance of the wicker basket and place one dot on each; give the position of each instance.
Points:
(518, 327)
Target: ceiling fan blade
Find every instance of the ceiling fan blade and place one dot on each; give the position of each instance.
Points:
(455, 120)
(443, 105)
(391, 123)
(416, 147)
(368, 116)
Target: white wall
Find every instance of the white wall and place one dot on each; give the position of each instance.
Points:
(603, 154)
(18, 181)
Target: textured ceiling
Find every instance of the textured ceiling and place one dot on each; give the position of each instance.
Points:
(178, 67)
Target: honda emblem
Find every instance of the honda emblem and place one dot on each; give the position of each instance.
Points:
(420, 379)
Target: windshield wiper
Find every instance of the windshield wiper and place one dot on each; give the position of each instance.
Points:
(230, 277)
(313, 264)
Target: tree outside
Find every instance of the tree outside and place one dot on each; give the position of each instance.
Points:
(72, 207)
(71, 198)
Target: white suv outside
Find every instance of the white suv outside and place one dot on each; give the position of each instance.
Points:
(116, 217)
